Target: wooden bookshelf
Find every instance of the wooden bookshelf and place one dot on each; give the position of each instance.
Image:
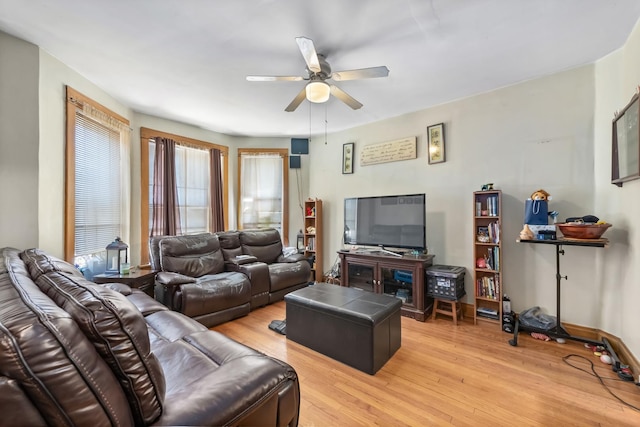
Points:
(487, 252)
(313, 237)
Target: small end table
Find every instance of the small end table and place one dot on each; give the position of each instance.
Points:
(139, 279)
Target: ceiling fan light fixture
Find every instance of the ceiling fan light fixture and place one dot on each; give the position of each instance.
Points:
(318, 91)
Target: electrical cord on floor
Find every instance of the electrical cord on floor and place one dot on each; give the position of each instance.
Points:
(593, 372)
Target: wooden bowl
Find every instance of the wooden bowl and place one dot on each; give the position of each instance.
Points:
(582, 231)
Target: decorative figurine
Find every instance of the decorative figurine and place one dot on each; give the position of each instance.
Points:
(526, 233)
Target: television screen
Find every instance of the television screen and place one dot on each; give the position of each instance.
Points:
(392, 221)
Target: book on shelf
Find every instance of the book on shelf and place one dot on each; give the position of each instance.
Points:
(311, 243)
(487, 310)
(493, 258)
(488, 287)
(488, 313)
(492, 206)
(493, 230)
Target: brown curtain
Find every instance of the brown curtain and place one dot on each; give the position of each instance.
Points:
(217, 207)
(165, 215)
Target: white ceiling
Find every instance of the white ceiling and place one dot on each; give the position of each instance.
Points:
(186, 60)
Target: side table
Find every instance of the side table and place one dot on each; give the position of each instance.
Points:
(140, 279)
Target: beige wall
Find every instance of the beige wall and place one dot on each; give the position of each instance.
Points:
(18, 142)
(617, 79)
(538, 134)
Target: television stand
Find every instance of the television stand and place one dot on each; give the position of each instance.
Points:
(401, 276)
(386, 251)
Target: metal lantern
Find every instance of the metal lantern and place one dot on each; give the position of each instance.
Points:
(117, 253)
(300, 242)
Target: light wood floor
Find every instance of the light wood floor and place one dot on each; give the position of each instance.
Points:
(444, 375)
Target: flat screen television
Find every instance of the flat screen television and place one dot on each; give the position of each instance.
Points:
(386, 221)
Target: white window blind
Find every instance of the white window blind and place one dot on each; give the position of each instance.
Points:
(192, 180)
(261, 187)
(98, 199)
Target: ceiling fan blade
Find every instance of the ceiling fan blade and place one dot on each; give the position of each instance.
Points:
(345, 97)
(296, 101)
(309, 53)
(274, 78)
(362, 73)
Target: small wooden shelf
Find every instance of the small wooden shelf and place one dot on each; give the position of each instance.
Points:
(487, 299)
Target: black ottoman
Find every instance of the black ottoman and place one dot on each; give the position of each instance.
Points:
(355, 327)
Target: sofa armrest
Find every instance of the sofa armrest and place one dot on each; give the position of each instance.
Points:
(118, 287)
(241, 260)
(258, 274)
(291, 258)
(173, 279)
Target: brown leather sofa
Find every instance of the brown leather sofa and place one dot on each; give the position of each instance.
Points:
(76, 353)
(216, 277)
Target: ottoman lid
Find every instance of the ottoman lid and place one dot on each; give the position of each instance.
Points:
(356, 305)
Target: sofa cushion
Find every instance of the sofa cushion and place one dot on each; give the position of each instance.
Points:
(45, 352)
(212, 293)
(264, 244)
(118, 331)
(144, 303)
(38, 262)
(286, 275)
(230, 244)
(171, 326)
(233, 382)
(193, 255)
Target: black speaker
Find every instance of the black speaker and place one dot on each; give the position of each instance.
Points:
(299, 146)
(294, 162)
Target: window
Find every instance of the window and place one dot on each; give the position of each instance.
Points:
(264, 183)
(193, 182)
(97, 180)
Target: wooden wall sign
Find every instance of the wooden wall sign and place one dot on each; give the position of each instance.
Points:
(391, 151)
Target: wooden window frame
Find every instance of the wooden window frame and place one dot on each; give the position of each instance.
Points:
(145, 135)
(74, 102)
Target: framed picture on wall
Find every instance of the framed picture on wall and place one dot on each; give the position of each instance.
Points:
(435, 143)
(625, 143)
(347, 157)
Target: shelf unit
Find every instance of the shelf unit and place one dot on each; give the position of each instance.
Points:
(313, 240)
(487, 256)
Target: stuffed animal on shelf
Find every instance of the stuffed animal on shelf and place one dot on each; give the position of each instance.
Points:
(540, 195)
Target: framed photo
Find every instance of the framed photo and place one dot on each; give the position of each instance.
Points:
(625, 143)
(347, 157)
(435, 143)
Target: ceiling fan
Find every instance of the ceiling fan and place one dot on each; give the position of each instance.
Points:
(319, 70)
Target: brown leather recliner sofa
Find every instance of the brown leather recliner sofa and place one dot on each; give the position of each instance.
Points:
(76, 353)
(216, 277)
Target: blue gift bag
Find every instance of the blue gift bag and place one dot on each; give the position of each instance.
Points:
(536, 212)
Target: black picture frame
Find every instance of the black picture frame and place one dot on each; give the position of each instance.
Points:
(348, 157)
(625, 143)
(435, 144)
